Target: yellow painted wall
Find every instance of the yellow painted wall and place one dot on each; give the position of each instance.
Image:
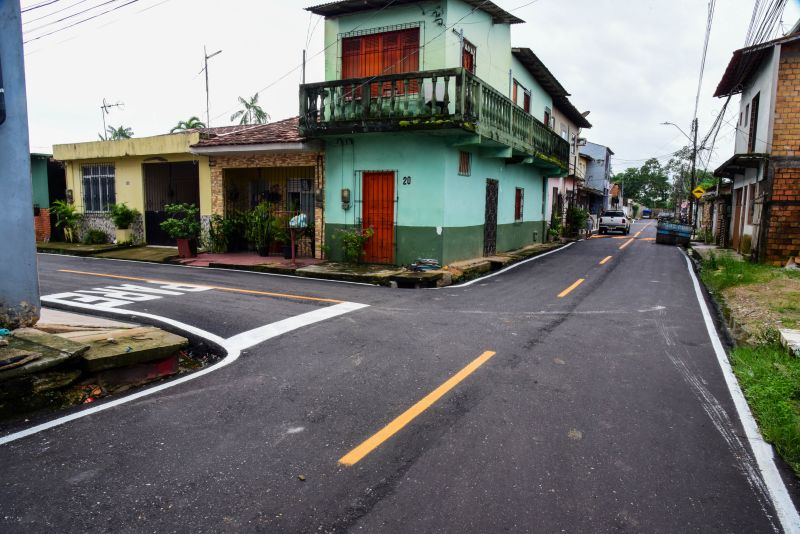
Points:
(128, 157)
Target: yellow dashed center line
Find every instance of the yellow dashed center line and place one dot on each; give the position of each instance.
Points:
(605, 260)
(354, 456)
(571, 288)
(626, 243)
(218, 288)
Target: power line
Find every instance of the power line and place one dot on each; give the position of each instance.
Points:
(81, 21)
(710, 20)
(54, 12)
(70, 16)
(37, 6)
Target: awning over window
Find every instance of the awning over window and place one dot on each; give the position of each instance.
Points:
(738, 163)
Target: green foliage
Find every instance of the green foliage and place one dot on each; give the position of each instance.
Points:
(260, 226)
(183, 222)
(192, 124)
(219, 232)
(95, 237)
(123, 216)
(770, 379)
(555, 222)
(115, 134)
(648, 185)
(353, 241)
(67, 218)
(251, 112)
(722, 272)
(576, 219)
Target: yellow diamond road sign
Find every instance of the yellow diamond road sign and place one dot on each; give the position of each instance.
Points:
(699, 192)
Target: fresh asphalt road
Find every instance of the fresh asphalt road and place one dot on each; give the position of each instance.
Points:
(600, 410)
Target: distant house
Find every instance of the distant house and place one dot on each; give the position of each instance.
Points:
(598, 177)
(437, 133)
(765, 166)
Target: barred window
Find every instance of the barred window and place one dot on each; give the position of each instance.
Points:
(98, 187)
(465, 163)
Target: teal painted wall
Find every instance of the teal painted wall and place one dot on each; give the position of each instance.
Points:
(539, 97)
(439, 213)
(41, 195)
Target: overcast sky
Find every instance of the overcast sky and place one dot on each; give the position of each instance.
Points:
(632, 63)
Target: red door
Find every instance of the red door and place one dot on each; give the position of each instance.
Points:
(378, 213)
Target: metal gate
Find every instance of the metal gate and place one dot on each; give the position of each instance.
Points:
(167, 183)
(377, 212)
(490, 223)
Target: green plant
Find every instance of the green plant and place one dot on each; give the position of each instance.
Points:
(280, 229)
(123, 216)
(353, 241)
(260, 227)
(95, 237)
(747, 244)
(192, 124)
(576, 219)
(67, 218)
(183, 222)
(251, 112)
(219, 230)
(115, 134)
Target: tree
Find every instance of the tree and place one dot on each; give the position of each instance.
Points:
(114, 134)
(648, 185)
(193, 123)
(251, 112)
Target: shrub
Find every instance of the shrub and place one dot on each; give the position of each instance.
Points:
(67, 218)
(576, 219)
(123, 216)
(95, 237)
(219, 231)
(183, 222)
(260, 227)
(353, 241)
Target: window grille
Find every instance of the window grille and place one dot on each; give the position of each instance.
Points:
(99, 188)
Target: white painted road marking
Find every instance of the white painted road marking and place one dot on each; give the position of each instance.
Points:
(232, 346)
(765, 456)
(103, 298)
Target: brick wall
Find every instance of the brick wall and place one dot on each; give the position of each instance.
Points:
(218, 164)
(786, 132)
(41, 225)
(783, 225)
(782, 237)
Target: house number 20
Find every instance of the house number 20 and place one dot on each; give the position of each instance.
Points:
(406, 180)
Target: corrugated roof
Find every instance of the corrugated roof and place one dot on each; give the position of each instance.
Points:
(563, 104)
(285, 131)
(345, 7)
(539, 71)
(744, 62)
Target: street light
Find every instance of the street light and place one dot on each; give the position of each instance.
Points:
(693, 141)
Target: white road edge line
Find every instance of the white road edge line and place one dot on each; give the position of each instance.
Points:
(232, 346)
(501, 271)
(765, 456)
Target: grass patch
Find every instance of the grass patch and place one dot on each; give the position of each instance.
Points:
(770, 379)
(723, 272)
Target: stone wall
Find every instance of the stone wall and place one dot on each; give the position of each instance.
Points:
(218, 164)
(103, 222)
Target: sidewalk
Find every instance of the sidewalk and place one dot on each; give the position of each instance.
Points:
(386, 275)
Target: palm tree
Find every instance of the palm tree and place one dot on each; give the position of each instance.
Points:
(114, 134)
(193, 123)
(252, 112)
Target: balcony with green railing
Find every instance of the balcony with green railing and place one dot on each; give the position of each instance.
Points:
(447, 100)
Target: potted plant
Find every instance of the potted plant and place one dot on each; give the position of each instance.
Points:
(353, 241)
(260, 228)
(122, 216)
(280, 229)
(183, 225)
(67, 219)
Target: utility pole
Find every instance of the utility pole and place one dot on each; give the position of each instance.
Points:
(206, 57)
(692, 218)
(19, 284)
(104, 110)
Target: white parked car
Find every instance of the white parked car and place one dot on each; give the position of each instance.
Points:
(614, 221)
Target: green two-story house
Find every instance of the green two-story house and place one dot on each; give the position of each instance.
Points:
(437, 132)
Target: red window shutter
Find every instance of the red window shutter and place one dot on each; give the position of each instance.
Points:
(514, 92)
(527, 102)
(518, 204)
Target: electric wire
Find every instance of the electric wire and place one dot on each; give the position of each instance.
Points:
(54, 12)
(37, 6)
(72, 15)
(115, 8)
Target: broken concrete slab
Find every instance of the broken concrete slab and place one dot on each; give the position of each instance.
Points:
(50, 351)
(123, 351)
(54, 380)
(791, 340)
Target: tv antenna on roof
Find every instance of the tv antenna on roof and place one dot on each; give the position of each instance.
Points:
(104, 110)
